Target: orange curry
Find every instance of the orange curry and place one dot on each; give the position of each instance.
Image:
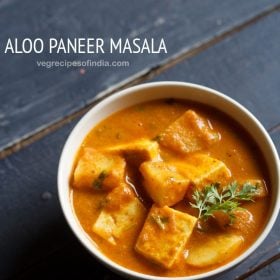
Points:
(170, 188)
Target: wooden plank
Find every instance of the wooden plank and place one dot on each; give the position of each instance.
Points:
(34, 237)
(244, 66)
(270, 272)
(72, 259)
(276, 138)
(265, 268)
(70, 262)
(32, 224)
(32, 98)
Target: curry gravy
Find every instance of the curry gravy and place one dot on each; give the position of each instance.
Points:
(236, 149)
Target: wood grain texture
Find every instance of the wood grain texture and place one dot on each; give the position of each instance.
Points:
(33, 98)
(270, 272)
(244, 66)
(275, 135)
(35, 240)
(32, 224)
(265, 268)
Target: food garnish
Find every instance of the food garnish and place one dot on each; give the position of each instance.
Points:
(97, 183)
(227, 199)
(161, 221)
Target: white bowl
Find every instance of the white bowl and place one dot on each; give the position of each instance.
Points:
(152, 91)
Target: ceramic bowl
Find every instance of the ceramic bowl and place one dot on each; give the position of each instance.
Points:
(152, 91)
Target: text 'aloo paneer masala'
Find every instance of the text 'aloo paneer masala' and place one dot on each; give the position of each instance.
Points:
(170, 188)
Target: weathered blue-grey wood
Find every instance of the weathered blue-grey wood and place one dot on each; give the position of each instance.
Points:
(270, 272)
(32, 98)
(244, 66)
(71, 262)
(32, 224)
(35, 241)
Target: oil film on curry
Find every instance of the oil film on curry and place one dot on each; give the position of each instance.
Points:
(170, 188)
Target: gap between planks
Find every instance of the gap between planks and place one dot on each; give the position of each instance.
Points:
(136, 79)
(245, 275)
(259, 267)
(275, 128)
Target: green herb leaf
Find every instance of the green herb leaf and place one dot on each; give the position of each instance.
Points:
(227, 199)
(98, 182)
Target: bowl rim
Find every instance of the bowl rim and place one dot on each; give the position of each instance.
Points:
(88, 243)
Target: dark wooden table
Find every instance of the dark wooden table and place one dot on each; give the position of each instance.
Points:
(230, 45)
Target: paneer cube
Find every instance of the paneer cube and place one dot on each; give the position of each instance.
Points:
(189, 133)
(98, 171)
(163, 182)
(202, 169)
(164, 235)
(138, 151)
(216, 249)
(122, 210)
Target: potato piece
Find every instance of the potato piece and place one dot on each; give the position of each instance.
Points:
(138, 151)
(222, 219)
(189, 133)
(164, 235)
(163, 182)
(122, 210)
(216, 249)
(99, 171)
(243, 220)
(202, 169)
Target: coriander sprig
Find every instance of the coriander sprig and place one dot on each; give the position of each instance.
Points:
(226, 199)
